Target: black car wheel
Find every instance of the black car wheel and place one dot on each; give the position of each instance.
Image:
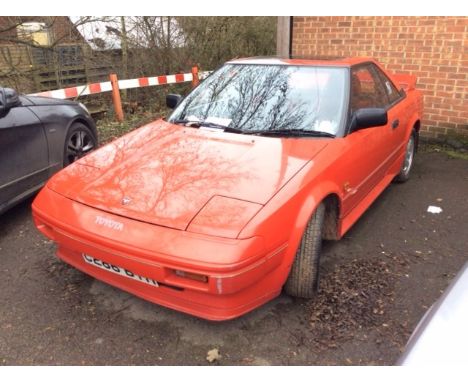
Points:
(79, 142)
(303, 279)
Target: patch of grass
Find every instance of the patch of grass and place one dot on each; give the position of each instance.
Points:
(109, 129)
(457, 154)
(443, 148)
(430, 147)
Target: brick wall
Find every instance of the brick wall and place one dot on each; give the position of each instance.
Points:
(435, 49)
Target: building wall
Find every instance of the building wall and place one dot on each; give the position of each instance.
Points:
(32, 68)
(435, 49)
(62, 29)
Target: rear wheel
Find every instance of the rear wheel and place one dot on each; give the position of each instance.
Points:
(80, 141)
(405, 170)
(303, 279)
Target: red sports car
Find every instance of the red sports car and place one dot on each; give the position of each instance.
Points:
(216, 209)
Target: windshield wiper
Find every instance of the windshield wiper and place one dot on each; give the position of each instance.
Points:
(214, 125)
(194, 123)
(185, 121)
(226, 129)
(291, 132)
(279, 132)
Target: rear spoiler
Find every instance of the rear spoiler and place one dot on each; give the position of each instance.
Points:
(405, 81)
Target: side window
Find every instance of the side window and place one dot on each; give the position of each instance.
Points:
(366, 89)
(392, 92)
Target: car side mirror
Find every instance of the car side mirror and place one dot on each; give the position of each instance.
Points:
(8, 98)
(371, 117)
(172, 100)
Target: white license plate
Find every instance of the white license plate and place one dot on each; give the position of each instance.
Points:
(117, 270)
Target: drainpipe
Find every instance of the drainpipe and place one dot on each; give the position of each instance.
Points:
(284, 36)
(291, 36)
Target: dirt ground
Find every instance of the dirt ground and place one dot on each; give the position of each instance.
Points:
(376, 284)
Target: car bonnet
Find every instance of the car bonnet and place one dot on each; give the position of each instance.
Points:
(165, 174)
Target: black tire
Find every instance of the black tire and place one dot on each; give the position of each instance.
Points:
(408, 161)
(303, 278)
(80, 140)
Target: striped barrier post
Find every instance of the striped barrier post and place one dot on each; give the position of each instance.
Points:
(116, 97)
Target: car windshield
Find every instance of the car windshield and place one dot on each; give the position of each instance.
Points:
(267, 98)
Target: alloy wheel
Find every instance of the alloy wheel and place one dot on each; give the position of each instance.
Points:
(79, 144)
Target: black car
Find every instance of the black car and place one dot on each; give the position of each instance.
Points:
(38, 137)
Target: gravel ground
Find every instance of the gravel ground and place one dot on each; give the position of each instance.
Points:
(376, 283)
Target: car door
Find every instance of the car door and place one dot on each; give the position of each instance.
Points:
(398, 117)
(24, 159)
(367, 150)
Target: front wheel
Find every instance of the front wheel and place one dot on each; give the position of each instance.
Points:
(304, 276)
(80, 141)
(405, 170)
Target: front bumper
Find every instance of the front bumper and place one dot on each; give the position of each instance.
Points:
(240, 274)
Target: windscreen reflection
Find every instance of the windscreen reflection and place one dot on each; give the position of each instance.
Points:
(268, 97)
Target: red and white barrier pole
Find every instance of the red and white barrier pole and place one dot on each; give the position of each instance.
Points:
(101, 87)
(116, 97)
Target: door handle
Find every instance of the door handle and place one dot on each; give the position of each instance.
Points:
(395, 123)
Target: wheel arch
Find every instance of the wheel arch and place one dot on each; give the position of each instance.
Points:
(332, 215)
(328, 194)
(417, 127)
(84, 121)
(414, 124)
